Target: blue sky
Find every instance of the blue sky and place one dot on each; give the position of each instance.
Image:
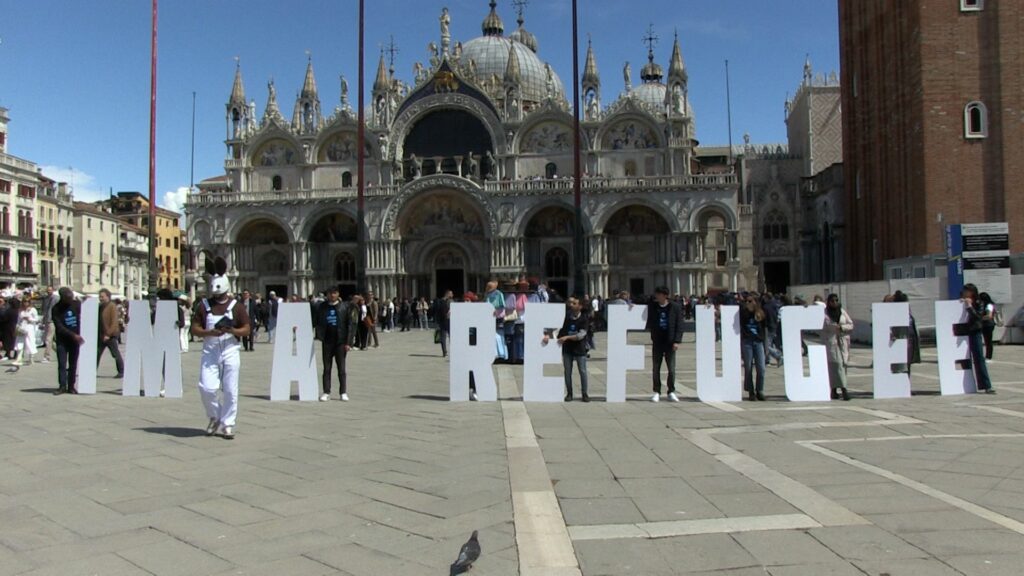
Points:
(76, 74)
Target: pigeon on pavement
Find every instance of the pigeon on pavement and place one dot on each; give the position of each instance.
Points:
(467, 555)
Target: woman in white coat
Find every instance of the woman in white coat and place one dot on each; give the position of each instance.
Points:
(28, 323)
(836, 336)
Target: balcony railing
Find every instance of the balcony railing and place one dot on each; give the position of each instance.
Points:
(558, 185)
(17, 162)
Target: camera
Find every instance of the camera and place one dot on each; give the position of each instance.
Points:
(224, 324)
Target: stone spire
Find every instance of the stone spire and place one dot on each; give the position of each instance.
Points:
(381, 84)
(493, 26)
(676, 67)
(590, 74)
(239, 115)
(237, 99)
(513, 71)
(309, 85)
(306, 118)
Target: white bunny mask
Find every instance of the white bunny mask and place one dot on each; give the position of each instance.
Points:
(217, 269)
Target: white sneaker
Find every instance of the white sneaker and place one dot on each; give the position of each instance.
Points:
(656, 397)
(672, 397)
(211, 428)
(45, 360)
(344, 397)
(472, 396)
(229, 432)
(163, 393)
(325, 397)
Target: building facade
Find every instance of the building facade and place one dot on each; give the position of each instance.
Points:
(932, 96)
(468, 177)
(133, 261)
(55, 218)
(133, 208)
(19, 181)
(97, 236)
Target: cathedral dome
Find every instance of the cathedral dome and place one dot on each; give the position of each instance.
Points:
(491, 56)
(652, 93)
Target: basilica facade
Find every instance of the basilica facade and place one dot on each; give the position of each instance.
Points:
(467, 175)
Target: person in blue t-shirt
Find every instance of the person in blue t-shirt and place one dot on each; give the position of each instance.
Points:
(572, 337)
(67, 314)
(665, 323)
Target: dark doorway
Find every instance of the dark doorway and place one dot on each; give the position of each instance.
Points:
(636, 287)
(776, 276)
(560, 286)
(451, 279)
(281, 290)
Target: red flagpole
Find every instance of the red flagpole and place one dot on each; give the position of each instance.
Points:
(361, 160)
(154, 270)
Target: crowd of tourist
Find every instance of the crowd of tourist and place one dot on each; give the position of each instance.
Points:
(51, 321)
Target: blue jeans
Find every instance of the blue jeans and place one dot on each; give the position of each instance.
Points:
(581, 364)
(976, 344)
(753, 356)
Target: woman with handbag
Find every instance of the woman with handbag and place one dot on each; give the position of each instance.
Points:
(836, 336)
(28, 320)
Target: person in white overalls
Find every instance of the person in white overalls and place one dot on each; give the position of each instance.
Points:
(221, 321)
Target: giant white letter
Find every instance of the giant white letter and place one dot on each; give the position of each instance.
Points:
(621, 356)
(89, 326)
(815, 386)
(153, 350)
(887, 351)
(472, 358)
(536, 386)
(294, 356)
(952, 349)
(729, 386)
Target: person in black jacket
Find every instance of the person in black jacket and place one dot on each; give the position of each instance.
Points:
(572, 337)
(336, 329)
(67, 315)
(252, 308)
(665, 323)
(975, 340)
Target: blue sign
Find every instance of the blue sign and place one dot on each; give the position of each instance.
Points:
(954, 260)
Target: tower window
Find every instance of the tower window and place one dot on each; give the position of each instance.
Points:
(346, 180)
(975, 120)
(971, 5)
(276, 183)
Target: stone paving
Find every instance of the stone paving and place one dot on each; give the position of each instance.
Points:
(394, 481)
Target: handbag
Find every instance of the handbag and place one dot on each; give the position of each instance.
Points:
(512, 316)
(437, 336)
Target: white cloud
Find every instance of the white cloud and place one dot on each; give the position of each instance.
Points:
(83, 185)
(175, 200)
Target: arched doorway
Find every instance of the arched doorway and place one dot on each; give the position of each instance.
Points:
(262, 254)
(444, 243)
(439, 136)
(638, 249)
(331, 237)
(549, 235)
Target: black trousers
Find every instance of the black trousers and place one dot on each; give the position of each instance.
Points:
(334, 353)
(986, 334)
(664, 352)
(67, 366)
(247, 341)
(115, 353)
